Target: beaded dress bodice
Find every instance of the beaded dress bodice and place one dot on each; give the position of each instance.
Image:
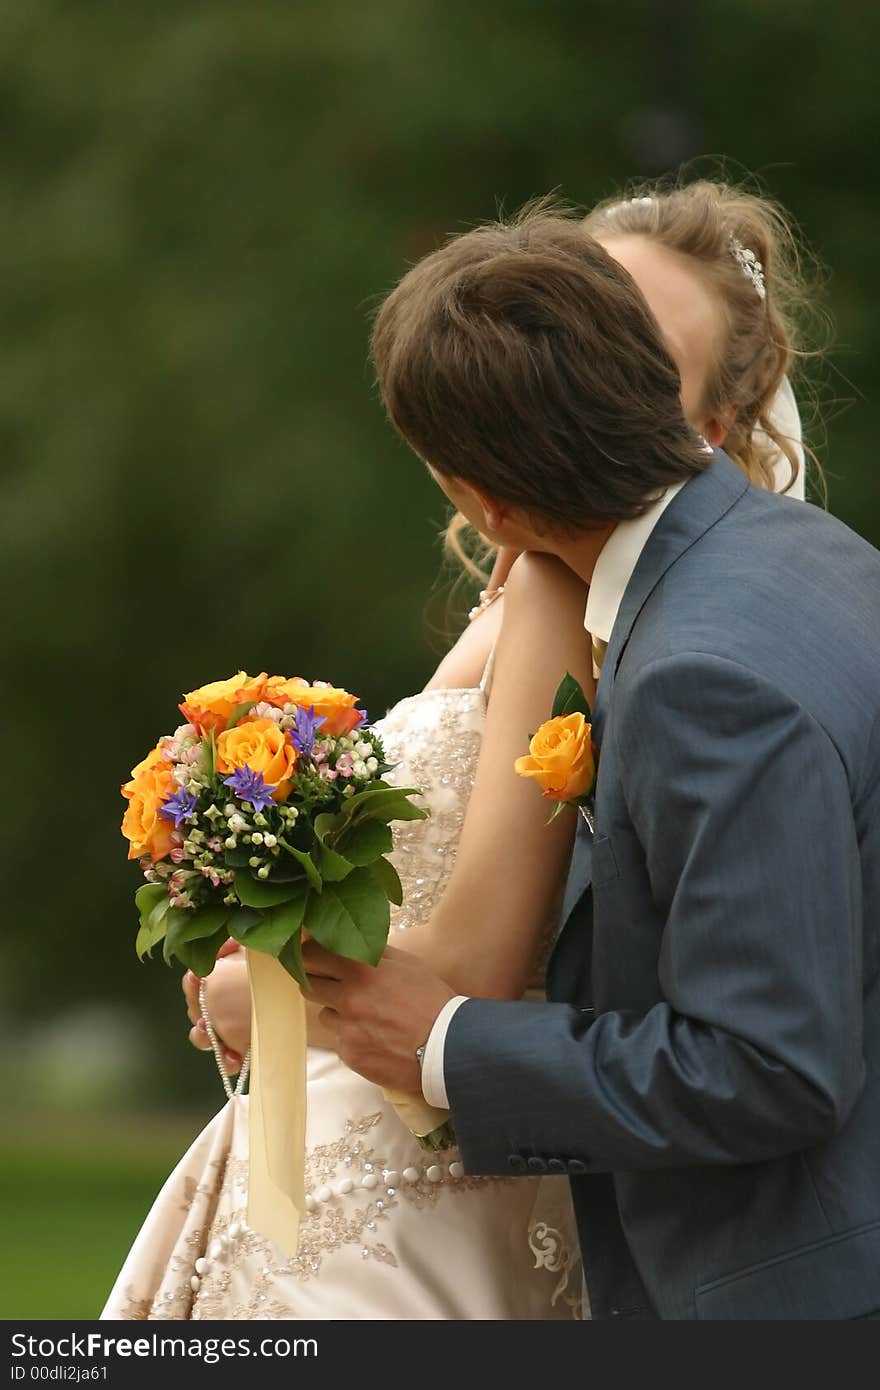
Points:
(433, 739)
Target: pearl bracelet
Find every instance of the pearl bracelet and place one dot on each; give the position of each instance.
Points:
(486, 598)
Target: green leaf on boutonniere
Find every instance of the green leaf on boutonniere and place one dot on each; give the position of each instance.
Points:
(351, 917)
(559, 808)
(570, 699)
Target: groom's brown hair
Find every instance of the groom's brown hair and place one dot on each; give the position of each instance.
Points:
(522, 358)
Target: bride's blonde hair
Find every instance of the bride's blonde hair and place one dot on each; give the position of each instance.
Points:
(746, 248)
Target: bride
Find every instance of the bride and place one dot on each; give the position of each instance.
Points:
(391, 1231)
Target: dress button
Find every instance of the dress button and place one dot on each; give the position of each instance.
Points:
(577, 1166)
(517, 1163)
(537, 1165)
(555, 1165)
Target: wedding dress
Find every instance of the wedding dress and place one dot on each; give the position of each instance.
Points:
(392, 1231)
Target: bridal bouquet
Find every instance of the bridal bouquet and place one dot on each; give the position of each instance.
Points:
(262, 816)
(266, 815)
(562, 756)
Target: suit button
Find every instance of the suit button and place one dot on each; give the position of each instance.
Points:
(517, 1163)
(555, 1165)
(537, 1165)
(576, 1166)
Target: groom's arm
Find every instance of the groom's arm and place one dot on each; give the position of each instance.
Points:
(742, 806)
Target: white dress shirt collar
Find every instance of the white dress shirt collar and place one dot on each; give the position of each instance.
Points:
(614, 567)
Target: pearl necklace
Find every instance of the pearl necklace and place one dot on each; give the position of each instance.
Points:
(217, 1049)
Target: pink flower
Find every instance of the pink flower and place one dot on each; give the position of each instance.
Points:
(177, 854)
(345, 765)
(327, 773)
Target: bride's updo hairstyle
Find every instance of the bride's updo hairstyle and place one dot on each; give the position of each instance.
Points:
(745, 249)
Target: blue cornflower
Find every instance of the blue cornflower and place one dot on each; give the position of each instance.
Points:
(178, 807)
(365, 718)
(249, 786)
(305, 731)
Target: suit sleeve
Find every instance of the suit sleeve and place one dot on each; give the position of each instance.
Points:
(742, 806)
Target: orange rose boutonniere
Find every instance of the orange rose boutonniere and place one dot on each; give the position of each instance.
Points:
(562, 756)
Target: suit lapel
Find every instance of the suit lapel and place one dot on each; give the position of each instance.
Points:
(696, 509)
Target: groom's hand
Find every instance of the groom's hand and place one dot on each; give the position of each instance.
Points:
(379, 1014)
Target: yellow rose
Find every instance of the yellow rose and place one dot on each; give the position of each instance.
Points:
(155, 758)
(147, 832)
(260, 745)
(561, 758)
(336, 706)
(210, 706)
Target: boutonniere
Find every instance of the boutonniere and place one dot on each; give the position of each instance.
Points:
(562, 756)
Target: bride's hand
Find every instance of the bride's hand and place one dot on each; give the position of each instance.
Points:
(228, 999)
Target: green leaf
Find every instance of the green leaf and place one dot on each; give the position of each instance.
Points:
(386, 804)
(153, 926)
(365, 841)
(385, 875)
(239, 712)
(261, 892)
(210, 744)
(333, 866)
(351, 917)
(307, 863)
(241, 921)
(185, 925)
(278, 926)
(327, 823)
(200, 955)
(290, 957)
(147, 896)
(570, 699)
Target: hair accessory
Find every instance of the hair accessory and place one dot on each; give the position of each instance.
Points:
(749, 265)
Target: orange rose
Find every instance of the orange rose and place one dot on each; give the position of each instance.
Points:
(155, 758)
(148, 833)
(337, 706)
(561, 758)
(210, 706)
(260, 745)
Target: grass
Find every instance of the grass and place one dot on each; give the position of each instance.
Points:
(74, 1193)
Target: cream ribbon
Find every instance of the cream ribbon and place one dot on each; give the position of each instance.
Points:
(277, 1127)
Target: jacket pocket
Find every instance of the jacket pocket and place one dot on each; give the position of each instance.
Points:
(837, 1278)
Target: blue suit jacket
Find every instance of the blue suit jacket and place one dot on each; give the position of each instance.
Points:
(708, 1069)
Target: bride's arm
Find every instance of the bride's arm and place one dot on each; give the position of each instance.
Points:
(484, 935)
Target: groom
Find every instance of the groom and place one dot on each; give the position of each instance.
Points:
(706, 1070)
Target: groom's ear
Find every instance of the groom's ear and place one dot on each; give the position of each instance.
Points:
(495, 513)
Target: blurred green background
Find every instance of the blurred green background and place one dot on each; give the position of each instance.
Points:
(199, 203)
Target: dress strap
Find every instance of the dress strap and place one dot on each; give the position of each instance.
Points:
(488, 670)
